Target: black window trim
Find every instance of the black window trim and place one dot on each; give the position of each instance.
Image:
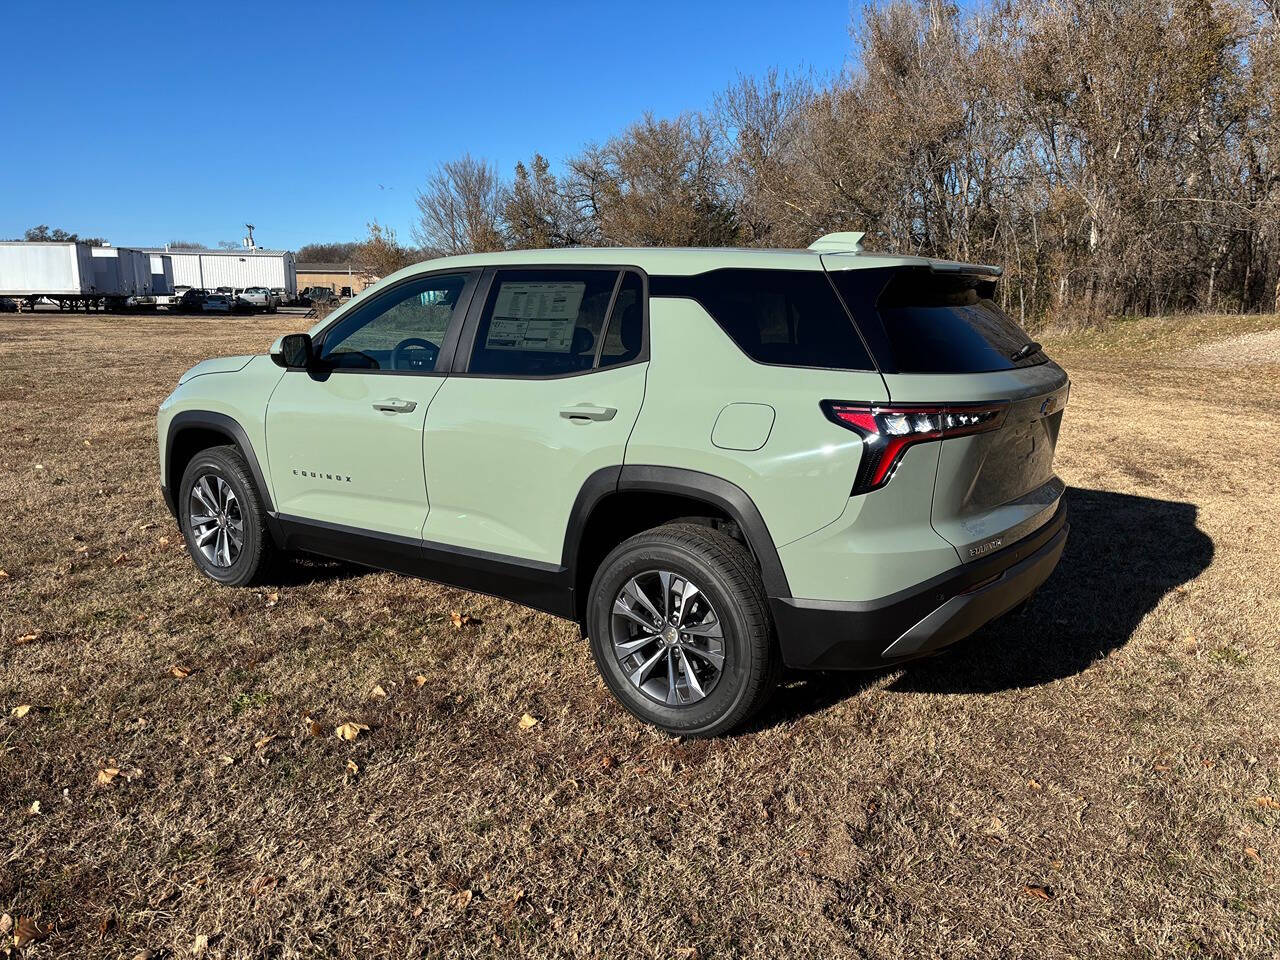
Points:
(448, 347)
(871, 356)
(466, 342)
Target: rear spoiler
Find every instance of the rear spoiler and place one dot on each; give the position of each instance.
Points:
(966, 269)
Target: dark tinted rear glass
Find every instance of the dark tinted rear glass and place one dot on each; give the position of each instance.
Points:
(943, 324)
(786, 317)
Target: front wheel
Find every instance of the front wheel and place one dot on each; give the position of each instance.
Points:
(223, 520)
(680, 630)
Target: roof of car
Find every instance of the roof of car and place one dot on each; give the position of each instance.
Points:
(684, 261)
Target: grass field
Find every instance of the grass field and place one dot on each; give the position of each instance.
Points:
(1098, 775)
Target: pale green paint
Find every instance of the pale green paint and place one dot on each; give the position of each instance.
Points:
(216, 365)
(882, 542)
(975, 499)
(504, 467)
(322, 431)
(799, 480)
(241, 395)
(743, 426)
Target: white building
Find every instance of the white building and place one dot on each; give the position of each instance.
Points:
(209, 269)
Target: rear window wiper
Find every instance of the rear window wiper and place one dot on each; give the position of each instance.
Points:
(1024, 351)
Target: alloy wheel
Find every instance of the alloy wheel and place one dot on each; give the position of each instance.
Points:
(667, 638)
(217, 523)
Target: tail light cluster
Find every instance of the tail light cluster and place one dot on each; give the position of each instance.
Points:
(887, 430)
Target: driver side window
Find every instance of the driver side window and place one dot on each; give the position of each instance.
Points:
(399, 330)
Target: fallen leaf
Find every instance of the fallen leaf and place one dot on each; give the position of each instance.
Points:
(201, 943)
(226, 760)
(262, 744)
(1269, 803)
(317, 729)
(149, 526)
(462, 898)
(34, 808)
(526, 722)
(1252, 854)
(21, 710)
(28, 932)
(461, 620)
(272, 599)
(352, 768)
(1038, 891)
(419, 680)
(27, 638)
(106, 775)
(377, 693)
(608, 761)
(349, 730)
(1162, 767)
(144, 955)
(6, 924)
(180, 672)
(4, 575)
(1034, 785)
(163, 541)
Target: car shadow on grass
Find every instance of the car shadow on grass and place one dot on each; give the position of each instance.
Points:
(1123, 555)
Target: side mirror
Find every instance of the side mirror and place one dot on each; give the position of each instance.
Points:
(293, 351)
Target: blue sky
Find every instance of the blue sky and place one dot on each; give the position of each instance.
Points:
(151, 122)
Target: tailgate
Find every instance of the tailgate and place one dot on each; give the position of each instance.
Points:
(995, 488)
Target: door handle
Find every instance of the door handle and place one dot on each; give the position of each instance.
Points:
(395, 405)
(581, 412)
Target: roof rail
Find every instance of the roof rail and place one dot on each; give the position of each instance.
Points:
(839, 243)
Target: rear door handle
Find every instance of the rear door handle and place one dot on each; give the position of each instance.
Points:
(395, 405)
(581, 412)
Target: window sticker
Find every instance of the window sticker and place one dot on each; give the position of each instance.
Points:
(537, 317)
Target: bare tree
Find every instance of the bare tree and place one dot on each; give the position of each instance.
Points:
(460, 209)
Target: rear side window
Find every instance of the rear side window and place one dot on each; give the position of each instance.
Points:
(542, 323)
(942, 323)
(625, 334)
(784, 317)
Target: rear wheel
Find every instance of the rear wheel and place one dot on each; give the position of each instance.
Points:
(223, 520)
(680, 630)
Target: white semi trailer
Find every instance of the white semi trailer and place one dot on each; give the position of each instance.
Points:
(62, 272)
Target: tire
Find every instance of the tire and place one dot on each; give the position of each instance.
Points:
(727, 583)
(224, 469)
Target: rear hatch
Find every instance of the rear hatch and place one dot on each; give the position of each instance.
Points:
(943, 344)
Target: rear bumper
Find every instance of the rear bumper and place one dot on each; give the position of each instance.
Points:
(833, 635)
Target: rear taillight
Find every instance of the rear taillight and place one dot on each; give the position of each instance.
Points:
(887, 430)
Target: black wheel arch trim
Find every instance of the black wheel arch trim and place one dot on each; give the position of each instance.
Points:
(708, 488)
(218, 423)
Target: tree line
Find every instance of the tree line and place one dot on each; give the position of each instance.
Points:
(1115, 156)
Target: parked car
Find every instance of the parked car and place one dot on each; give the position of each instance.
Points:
(318, 295)
(716, 462)
(260, 298)
(8, 305)
(218, 303)
(282, 297)
(189, 299)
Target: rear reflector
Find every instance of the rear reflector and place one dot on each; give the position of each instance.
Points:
(887, 430)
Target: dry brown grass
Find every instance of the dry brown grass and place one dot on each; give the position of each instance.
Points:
(1079, 779)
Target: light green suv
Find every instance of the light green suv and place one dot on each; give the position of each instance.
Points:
(717, 462)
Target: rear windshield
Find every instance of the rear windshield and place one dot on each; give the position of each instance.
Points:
(943, 323)
(786, 317)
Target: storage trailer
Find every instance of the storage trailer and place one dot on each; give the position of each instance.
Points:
(62, 272)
